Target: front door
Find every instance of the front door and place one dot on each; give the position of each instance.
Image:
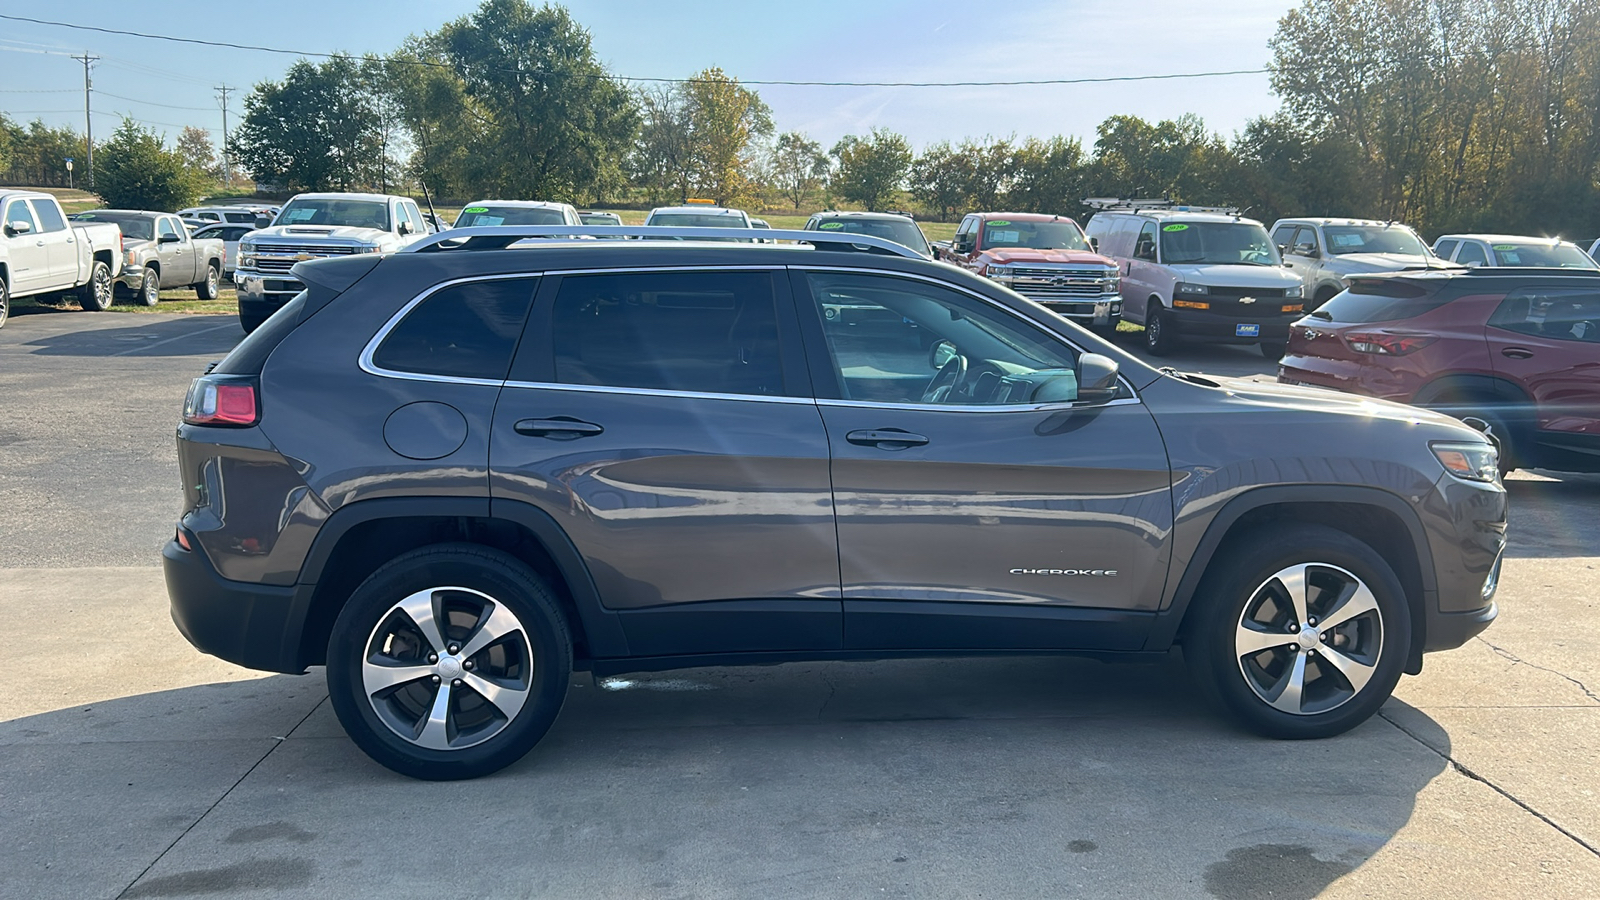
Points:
(172, 248)
(26, 247)
(979, 506)
(1548, 341)
(659, 419)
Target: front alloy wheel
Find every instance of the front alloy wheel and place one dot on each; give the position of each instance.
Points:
(1309, 639)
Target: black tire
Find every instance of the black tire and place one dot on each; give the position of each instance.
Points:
(1109, 329)
(95, 295)
(5, 302)
(1244, 578)
(149, 292)
(1509, 425)
(535, 661)
(211, 287)
(1159, 336)
(1273, 349)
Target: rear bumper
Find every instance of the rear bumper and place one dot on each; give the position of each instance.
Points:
(245, 624)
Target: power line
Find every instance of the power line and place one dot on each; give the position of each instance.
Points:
(151, 102)
(633, 78)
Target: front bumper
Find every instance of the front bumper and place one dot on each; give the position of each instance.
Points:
(1198, 325)
(246, 624)
(260, 295)
(1098, 311)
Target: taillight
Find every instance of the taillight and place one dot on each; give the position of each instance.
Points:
(221, 400)
(1385, 344)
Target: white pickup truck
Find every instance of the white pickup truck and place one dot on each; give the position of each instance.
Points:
(41, 253)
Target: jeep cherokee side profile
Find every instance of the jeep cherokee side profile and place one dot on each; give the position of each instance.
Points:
(456, 474)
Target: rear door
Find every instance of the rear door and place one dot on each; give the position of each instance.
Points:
(61, 248)
(663, 420)
(978, 507)
(1547, 340)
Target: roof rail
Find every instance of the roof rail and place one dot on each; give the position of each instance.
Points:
(1106, 204)
(500, 237)
(1525, 271)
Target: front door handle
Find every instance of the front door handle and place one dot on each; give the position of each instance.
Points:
(886, 438)
(1517, 353)
(561, 428)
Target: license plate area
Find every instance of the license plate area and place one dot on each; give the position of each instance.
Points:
(1247, 330)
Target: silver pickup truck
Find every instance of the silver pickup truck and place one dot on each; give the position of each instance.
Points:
(158, 253)
(41, 254)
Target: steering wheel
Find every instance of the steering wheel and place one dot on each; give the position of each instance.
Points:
(945, 381)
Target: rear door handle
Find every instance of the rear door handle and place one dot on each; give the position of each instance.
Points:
(1517, 353)
(886, 438)
(560, 428)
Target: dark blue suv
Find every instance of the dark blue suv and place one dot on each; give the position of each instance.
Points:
(456, 474)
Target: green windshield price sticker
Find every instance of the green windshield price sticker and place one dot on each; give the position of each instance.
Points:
(831, 226)
(476, 209)
(1178, 227)
(1000, 223)
(1504, 247)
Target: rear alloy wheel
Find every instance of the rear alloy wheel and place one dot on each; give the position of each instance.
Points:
(95, 295)
(149, 288)
(1301, 632)
(449, 662)
(211, 288)
(1159, 336)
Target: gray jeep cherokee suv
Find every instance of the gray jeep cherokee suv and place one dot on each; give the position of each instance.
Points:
(456, 474)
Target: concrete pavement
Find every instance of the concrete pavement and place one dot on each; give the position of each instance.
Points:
(132, 766)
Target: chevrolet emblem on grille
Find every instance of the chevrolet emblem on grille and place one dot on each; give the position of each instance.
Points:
(302, 257)
(1247, 300)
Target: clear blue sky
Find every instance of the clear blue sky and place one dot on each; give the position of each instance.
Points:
(170, 85)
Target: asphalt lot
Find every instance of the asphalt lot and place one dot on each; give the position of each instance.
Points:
(133, 766)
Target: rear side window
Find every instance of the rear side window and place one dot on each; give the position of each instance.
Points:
(708, 332)
(1472, 252)
(1383, 301)
(463, 331)
(49, 217)
(1556, 314)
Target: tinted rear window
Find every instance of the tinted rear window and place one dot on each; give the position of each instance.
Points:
(1384, 301)
(465, 331)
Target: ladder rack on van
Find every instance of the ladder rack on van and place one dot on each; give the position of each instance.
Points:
(1118, 204)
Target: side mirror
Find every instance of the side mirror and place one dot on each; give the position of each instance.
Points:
(263, 222)
(18, 227)
(405, 227)
(168, 238)
(1094, 244)
(941, 353)
(1097, 378)
(963, 243)
(1283, 249)
(1309, 252)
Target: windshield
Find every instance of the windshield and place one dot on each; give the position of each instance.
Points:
(1344, 239)
(355, 213)
(1225, 243)
(1062, 235)
(698, 220)
(134, 225)
(599, 219)
(1560, 256)
(509, 215)
(898, 230)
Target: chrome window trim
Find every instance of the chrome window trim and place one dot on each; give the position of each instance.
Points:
(1121, 379)
(367, 352)
(980, 408)
(654, 392)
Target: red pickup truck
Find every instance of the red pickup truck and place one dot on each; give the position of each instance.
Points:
(1042, 257)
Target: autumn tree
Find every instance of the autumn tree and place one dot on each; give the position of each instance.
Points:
(797, 166)
(198, 153)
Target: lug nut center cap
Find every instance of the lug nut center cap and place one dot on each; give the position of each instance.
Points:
(1309, 638)
(449, 667)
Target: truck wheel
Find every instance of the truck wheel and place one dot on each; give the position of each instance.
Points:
(5, 302)
(149, 288)
(449, 662)
(211, 288)
(95, 294)
(1299, 631)
(1159, 335)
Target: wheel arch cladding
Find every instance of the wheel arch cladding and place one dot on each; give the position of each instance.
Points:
(359, 538)
(1377, 518)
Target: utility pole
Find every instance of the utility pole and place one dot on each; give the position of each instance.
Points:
(227, 173)
(88, 126)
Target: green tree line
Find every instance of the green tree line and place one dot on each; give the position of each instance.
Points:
(1443, 113)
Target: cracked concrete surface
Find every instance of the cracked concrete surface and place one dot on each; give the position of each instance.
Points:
(131, 766)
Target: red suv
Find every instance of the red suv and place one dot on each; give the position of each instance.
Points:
(1517, 348)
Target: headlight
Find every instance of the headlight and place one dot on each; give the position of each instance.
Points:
(1186, 288)
(1295, 292)
(130, 258)
(1472, 462)
(998, 271)
(247, 247)
(368, 249)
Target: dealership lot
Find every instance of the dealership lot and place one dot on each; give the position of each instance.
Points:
(131, 765)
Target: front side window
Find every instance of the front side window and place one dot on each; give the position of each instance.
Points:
(1283, 236)
(898, 340)
(1562, 315)
(705, 332)
(1224, 243)
(19, 213)
(1472, 254)
(1145, 246)
(1445, 249)
(165, 227)
(463, 331)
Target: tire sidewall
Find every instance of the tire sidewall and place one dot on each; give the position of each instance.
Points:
(1157, 331)
(1232, 581)
(146, 295)
(210, 288)
(5, 302)
(89, 297)
(506, 580)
